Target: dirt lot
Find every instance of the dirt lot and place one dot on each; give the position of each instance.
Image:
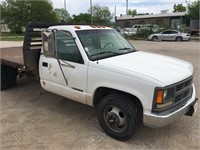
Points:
(32, 118)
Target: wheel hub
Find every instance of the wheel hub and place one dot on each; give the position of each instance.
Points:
(115, 118)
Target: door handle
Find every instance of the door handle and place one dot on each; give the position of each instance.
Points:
(44, 64)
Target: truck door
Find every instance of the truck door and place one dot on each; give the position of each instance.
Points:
(65, 73)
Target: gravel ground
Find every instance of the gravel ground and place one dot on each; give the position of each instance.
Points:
(31, 118)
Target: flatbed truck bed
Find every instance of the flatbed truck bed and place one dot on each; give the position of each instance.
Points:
(12, 56)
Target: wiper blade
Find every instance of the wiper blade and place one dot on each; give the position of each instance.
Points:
(125, 48)
(105, 53)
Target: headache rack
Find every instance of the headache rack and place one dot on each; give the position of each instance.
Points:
(33, 43)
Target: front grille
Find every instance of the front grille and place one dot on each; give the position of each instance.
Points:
(183, 91)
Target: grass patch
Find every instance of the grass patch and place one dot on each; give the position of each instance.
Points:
(11, 37)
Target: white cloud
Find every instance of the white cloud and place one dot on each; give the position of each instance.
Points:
(142, 6)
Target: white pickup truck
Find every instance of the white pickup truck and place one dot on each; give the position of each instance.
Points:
(96, 66)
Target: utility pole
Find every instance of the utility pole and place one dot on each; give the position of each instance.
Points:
(91, 11)
(115, 14)
(115, 11)
(126, 7)
(65, 9)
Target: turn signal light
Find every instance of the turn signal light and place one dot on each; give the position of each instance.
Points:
(159, 98)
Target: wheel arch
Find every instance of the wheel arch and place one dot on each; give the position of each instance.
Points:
(104, 91)
(179, 37)
(154, 37)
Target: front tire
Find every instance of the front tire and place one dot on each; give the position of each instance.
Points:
(154, 38)
(118, 116)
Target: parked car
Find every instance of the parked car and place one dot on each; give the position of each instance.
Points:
(152, 27)
(139, 27)
(129, 31)
(170, 35)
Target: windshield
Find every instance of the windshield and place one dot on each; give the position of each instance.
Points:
(103, 43)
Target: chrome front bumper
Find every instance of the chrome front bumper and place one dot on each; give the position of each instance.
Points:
(156, 120)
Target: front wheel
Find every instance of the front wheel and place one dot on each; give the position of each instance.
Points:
(119, 117)
(154, 38)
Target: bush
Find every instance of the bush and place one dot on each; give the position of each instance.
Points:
(143, 33)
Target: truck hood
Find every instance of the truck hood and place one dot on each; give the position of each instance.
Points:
(164, 69)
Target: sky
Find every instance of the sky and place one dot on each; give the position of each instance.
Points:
(142, 6)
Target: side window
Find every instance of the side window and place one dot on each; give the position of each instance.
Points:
(48, 43)
(174, 32)
(166, 32)
(67, 48)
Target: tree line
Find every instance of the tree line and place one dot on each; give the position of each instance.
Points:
(18, 13)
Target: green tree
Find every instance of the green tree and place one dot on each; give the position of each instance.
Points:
(82, 18)
(192, 11)
(132, 12)
(18, 13)
(179, 8)
(101, 15)
(141, 14)
(62, 14)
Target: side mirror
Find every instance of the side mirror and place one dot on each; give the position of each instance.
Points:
(48, 43)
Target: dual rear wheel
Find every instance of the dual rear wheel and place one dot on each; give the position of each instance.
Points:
(8, 77)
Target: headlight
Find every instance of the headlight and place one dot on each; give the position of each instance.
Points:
(173, 95)
(165, 94)
(164, 98)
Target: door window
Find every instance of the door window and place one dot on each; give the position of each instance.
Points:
(166, 32)
(67, 48)
(174, 32)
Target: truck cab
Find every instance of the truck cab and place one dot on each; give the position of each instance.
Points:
(96, 66)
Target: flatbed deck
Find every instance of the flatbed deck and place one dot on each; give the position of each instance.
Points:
(12, 56)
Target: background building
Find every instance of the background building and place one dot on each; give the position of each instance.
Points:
(164, 19)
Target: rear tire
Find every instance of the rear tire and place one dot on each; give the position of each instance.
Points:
(4, 78)
(119, 117)
(179, 39)
(8, 77)
(12, 76)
